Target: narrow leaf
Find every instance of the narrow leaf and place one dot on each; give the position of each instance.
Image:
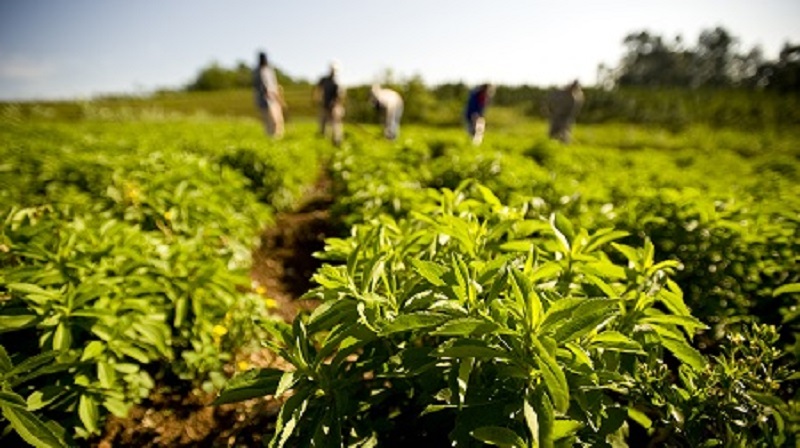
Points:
(786, 289)
(31, 428)
(251, 384)
(554, 379)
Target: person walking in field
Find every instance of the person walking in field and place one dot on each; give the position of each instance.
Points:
(391, 103)
(562, 106)
(268, 97)
(475, 111)
(329, 95)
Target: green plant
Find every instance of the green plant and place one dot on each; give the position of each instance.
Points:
(477, 325)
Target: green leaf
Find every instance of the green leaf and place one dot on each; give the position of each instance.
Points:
(29, 366)
(466, 326)
(29, 288)
(181, 311)
(413, 321)
(532, 422)
(251, 384)
(684, 352)
(516, 246)
(767, 400)
(473, 349)
(12, 399)
(44, 396)
(288, 380)
(605, 269)
(615, 341)
(62, 340)
(106, 375)
(565, 428)
(31, 428)
(629, 252)
(549, 270)
(117, 407)
(498, 436)
(563, 230)
(93, 350)
(640, 417)
(786, 289)
(488, 196)
(672, 297)
(13, 322)
(432, 272)
(602, 237)
(586, 317)
(554, 379)
(689, 323)
(329, 314)
(88, 413)
(290, 414)
(528, 298)
(545, 419)
(5, 361)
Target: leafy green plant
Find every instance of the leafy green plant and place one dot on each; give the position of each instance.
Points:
(478, 325)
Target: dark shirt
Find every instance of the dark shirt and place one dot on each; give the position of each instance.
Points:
(476, 103)
(330, 90)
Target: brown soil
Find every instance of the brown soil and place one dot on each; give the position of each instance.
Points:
(179, 416)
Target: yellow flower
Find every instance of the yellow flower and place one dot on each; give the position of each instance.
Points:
(168, 215)
(243, 365)
(261, 290)
(270, 303)
(219, 331)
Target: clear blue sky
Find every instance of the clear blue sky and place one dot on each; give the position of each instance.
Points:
(81, 48)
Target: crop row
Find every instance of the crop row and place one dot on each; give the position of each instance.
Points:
(467, 306)
(124, 260)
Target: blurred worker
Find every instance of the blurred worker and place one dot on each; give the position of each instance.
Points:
(268, 96)
(330, 97)
(475, 111)
(391, 103)
(562, 106)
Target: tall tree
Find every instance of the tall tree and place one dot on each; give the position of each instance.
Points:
(714, 58)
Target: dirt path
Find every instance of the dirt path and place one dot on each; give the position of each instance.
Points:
(178, 416)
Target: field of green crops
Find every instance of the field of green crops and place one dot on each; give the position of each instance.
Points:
(637, 286)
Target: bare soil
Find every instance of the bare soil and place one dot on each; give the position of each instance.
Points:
(178, 415)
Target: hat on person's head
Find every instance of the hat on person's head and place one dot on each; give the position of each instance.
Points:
(335, 66)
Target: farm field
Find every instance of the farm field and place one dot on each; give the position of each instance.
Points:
(637, 286)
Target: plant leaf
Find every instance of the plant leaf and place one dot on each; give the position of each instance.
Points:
(251, 384)
(431, 271)
(31, 428)
(498, 436)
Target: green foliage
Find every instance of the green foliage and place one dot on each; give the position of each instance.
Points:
(732, 402)
(469, 319)
(124, 257)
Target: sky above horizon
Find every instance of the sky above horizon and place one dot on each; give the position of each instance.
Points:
(59, 49)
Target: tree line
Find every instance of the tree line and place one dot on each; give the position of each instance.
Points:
(649, 60)
(714, 61)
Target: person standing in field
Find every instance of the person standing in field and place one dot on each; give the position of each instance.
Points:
(475, 111)
(268, 97)
(391, 103)
(329, 95)
(562, 106)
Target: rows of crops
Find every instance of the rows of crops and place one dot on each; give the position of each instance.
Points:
(638, 286)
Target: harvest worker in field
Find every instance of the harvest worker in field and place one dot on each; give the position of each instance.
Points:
(330, 97)
(474, 112)
(562, 106)
(391, 103)
(268, 96)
